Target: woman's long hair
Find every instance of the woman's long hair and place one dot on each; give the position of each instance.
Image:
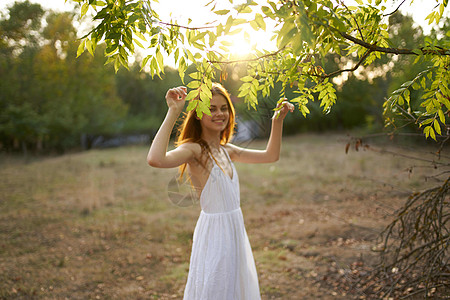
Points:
(190, 130)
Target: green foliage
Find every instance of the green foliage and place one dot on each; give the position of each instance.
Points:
(24, 19)
(307, 31)
(48, 97)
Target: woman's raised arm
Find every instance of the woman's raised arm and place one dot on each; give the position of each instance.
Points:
(158, 155)
(273, 148)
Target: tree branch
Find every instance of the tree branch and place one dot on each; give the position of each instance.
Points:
(363, 58)
(246, 60)
(374, 47)
(185, 27)
(394, 10)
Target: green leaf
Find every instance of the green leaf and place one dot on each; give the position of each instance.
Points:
(260, 21)
(192, 95)
(124, 62)
(236, 31)
(417, 51)
(430, 18)
(194, 84)
(237, 22)
(243, 9)
(226, 43)
(110, 59)
(195, 75)
(247, 78)
(219, 30)
(138, 43)
(437, 126)
(267, 11)
(89, 46)
(197, 37)
(201, 109)
(304, 110)
(416, 86)
(426, 131)
(228, 24)
(154, 67)
(406, 84)
(406, 95)
(204, 105)
(189, 55)
(254, 25)
(117, 64)
(432, 133)
(242, 93)
(399, 91)
(81, 47)
(160, 59)
(212, 39)
(182, 67)
(427, 121)
(441, 116)
(84, 9)
(192, 105)
(140, 35)
(222, 12)
(145, 61)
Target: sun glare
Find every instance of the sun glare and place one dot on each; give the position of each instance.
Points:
(243, 44)
(240, 45)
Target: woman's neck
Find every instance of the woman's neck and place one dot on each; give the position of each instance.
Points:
(213, 140)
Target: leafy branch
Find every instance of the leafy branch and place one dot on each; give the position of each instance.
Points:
(307, 30)
(374, 47)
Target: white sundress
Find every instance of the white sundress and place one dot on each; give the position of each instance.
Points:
(221, 265)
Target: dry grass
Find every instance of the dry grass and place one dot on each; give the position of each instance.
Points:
(99, 224)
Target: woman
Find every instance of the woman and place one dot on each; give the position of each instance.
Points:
(222, 264)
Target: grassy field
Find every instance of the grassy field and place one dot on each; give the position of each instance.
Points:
(103, 224)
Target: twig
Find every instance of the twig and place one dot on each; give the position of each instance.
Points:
(185, 27)
(246, 60)
(409, 156)
(361, 60)
(385, 15)
(356, 22)
(416, 245)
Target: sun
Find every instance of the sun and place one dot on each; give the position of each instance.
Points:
(248, 41)
(241, 45)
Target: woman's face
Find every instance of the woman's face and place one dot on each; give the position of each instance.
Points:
(220, 115)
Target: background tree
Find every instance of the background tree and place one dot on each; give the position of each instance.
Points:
(19, 123)
(49, 98)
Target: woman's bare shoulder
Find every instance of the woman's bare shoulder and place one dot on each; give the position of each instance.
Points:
(232, 149)
(195, 148)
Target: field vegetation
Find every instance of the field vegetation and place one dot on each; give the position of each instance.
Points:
(102, 224)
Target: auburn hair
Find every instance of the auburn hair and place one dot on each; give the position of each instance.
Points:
(190, 130)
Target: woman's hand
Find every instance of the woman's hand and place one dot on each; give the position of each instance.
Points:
(282, 109)
(175, 98)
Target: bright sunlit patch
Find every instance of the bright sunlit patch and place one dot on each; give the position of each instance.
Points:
(241, 45)
(245, 43)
